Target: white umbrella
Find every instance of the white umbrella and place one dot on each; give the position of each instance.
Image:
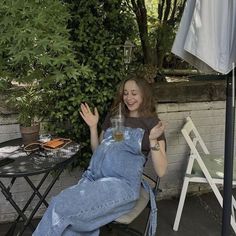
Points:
(207, 35)
(207, 39)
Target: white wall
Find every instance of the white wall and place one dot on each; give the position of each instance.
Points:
(209, 118)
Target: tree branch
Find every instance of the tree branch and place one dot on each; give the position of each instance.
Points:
(160, 9)
(171, 21)
(167, 10)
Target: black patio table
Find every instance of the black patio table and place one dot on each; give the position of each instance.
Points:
(26, 164)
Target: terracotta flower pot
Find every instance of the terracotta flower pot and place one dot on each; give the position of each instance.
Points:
(29, 134)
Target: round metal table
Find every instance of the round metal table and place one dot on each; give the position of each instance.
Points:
(27, 164)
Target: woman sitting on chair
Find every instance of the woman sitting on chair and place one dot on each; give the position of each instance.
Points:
(110, 187)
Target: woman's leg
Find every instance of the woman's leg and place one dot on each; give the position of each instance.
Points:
(85, 207)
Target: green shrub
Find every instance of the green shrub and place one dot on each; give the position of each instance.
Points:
(34, 42)
(72, 49)
(98, 31)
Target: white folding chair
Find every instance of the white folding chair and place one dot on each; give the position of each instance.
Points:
(202, 168)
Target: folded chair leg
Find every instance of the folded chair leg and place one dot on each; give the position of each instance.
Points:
(233, 224)
(147, 225)
(181, 203)
(233, 207)
(219, 197)
(232, 220)
(220, 200)
(217, 192)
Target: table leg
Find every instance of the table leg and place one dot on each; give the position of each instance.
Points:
(27, 222)
(32, 196)
(8, 196)
(37, 188)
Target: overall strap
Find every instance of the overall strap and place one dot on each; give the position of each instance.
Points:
(153, 213)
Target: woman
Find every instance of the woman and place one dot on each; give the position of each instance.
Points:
(111, 185)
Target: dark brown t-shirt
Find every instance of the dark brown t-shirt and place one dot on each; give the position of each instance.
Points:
(146, 123)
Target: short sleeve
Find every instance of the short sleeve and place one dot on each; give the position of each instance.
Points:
(153, 123)
(107, 123)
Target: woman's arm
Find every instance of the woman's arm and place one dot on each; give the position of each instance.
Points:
(159, 157)
(91, 119)
(94, 141)
(158, 148)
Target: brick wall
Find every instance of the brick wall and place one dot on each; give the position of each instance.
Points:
(9, 129)
(208, 117)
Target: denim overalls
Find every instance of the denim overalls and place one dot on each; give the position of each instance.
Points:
(108, 189)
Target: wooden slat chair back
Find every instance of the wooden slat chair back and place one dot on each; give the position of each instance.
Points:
(202, 167)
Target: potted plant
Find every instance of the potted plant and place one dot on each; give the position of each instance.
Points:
(27, 101)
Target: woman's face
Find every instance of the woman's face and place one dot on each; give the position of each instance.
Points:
(132, 97)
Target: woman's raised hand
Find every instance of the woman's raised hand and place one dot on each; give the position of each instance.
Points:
(157, 131)
(91, 118)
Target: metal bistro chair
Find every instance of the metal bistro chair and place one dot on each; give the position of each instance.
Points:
(123, 223)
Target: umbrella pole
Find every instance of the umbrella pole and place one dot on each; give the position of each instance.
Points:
(229, 153)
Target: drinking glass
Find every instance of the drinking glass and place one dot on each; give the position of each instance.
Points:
(117, 124)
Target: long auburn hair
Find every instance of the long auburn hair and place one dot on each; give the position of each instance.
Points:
(147, 107)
